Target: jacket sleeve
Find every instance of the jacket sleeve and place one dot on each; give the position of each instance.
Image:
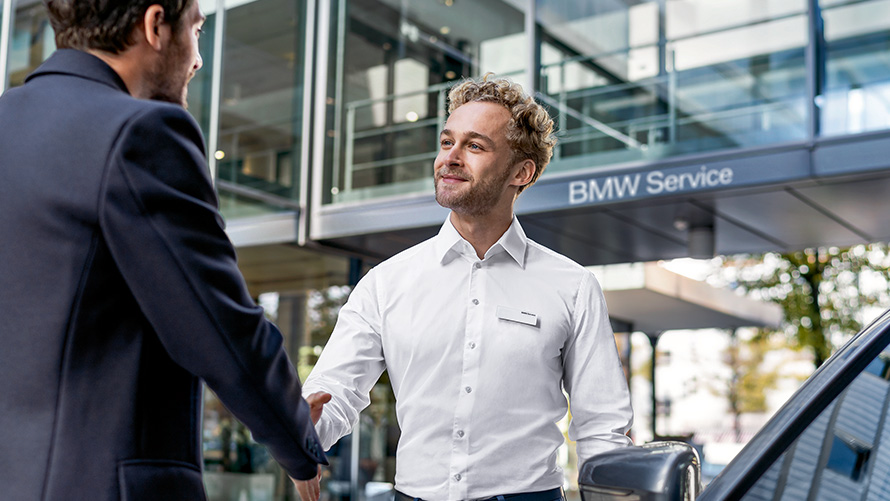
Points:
(159, 217)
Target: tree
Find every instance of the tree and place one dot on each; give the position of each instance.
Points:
(322, 308)
(748, 383)
(826, 293)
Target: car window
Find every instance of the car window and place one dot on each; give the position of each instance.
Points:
(844, 454)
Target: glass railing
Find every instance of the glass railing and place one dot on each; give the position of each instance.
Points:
(389, 159)
(856, 95)
(384, 157)
(736, 104)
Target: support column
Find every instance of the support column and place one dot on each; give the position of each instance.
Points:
(653, 342)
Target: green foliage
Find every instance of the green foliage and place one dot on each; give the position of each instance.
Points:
(823, 291)
(746, 387)
(323, 306)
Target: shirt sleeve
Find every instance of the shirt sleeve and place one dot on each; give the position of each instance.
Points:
(594, 379)
(350, 364)
(159, 218)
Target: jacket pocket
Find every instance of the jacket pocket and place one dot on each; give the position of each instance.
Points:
(157, 480)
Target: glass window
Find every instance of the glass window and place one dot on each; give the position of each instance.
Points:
(848, 457)
(4, 50)
(391, 63)
(842, 454)
(856, 94)
(261, 108)
(631, 80)
(199, 89)
(32, 41)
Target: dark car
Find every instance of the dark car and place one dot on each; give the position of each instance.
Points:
(830, 441)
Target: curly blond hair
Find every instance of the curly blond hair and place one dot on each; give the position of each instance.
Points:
(530, 130)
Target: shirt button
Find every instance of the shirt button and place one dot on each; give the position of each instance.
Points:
(460, 433)
(477, 265)
(468, 389)
(472, 345)
(475, 301)
(457, 477)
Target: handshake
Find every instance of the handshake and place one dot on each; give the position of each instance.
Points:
(309, 490)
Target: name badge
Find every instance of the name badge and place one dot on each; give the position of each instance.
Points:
(515, 315)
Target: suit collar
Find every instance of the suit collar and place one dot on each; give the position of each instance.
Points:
(80, 64)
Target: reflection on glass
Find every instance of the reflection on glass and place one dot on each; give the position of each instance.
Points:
(261, 108)
(391, 64)
(856, 96)
(844, 453)
(631, 80)
(32, 42)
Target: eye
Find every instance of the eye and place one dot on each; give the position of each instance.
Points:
(475, 146)
(446, 142)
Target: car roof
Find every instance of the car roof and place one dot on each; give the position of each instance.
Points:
(800, 410)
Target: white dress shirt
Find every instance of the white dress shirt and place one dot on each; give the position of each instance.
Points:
(478, 352)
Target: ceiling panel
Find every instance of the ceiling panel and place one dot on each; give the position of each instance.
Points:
(785, 218)
(860, 203)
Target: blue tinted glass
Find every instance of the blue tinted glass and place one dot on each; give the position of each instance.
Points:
(855, 86)
(844, 460)
(877, 367)
(821, 464)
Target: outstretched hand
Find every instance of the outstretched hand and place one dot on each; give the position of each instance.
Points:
(309, 490)
(316, 401)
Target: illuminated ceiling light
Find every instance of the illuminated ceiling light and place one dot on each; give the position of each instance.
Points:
(219, 155)
(411, 116)
(444, 30)
(450, 75)
(449, 3)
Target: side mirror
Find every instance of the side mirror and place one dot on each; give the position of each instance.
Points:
(659, 471)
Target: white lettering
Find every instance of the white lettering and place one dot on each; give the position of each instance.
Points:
(629, 185)
(619, 187)
(597, 194)
(653, 182)
(657, 182)
(577, 192)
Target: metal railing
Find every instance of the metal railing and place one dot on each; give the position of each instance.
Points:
(577, 122)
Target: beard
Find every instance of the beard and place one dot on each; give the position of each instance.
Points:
(475, 199)
(169, 80)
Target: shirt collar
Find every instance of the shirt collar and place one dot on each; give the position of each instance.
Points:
(513, 241)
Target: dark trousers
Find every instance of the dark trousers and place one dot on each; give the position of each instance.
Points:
(548, 495)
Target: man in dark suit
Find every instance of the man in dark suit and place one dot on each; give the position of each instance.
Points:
(119, 289)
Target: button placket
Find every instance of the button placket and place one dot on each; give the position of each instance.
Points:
(469, 375)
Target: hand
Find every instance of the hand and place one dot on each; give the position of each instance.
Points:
(316, 401)
(309, 490)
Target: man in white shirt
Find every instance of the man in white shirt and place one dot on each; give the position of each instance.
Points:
(480, 328)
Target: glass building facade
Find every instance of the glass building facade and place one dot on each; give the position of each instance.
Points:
(315, 110)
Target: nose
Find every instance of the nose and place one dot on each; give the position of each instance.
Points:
(451, 156)
(199, 61)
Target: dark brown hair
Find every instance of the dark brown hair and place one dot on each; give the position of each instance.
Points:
(105, 25)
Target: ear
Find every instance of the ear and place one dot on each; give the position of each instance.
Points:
(155, 30)
(525, 173)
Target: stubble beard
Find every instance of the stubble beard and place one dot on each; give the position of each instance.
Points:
(170, 79)
(476, 199)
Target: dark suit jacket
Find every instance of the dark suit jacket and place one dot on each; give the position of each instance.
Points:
(119, 292)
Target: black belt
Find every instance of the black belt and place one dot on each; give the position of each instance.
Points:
(548, 495)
